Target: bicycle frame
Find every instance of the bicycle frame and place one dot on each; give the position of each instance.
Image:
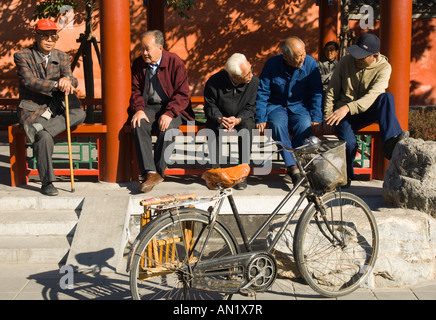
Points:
(217, 273)
(306, 194)
(290, 215)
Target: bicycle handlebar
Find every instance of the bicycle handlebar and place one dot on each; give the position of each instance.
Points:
(312, 145)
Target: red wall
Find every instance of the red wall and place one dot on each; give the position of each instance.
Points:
(215, 30)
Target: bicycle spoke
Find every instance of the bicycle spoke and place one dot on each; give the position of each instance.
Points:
(333, 268)
(163, 266)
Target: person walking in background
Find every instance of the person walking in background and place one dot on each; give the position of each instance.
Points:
(327, 65)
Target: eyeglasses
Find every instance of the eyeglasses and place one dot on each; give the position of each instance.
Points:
(248, 75)
(44, 36)
(299, 57)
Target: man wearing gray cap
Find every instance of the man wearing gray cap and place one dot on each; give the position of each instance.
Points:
(357, 97)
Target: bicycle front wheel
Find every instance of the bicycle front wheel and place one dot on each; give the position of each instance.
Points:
(336, 250)
(160, 267)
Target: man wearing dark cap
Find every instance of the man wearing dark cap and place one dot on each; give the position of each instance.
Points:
(356, 97)
(43, 71)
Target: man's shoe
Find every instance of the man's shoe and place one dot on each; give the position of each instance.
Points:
(241, 185)
(390, 144)
(49, 190)
(293, 175)
(153, 179)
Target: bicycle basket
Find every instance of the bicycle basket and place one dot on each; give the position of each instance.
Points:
(327, 169)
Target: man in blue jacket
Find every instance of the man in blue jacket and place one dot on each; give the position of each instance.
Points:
(289, 99)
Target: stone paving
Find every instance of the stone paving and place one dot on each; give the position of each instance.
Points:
(43, 282)
(20, 281)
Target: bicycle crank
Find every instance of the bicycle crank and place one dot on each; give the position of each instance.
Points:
(261, 272)
(243, 273)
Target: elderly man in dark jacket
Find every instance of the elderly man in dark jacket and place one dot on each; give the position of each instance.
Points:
(230, 103)
(43, 71)
(160, 98)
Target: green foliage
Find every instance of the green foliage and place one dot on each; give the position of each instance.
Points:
(180, 6)
(50, 9)
(422, 124)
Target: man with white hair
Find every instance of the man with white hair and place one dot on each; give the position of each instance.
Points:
(230, 103)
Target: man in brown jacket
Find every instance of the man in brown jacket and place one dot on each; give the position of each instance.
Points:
(356, 97)
(43, 71)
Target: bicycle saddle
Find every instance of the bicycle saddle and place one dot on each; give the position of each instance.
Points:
(225, 177)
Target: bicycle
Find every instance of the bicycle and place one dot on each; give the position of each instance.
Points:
(184, 252)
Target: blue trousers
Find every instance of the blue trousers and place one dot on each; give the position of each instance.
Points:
(381, 111)
(281, 121)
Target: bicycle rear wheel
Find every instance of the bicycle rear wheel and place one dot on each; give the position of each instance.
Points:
(336, 252)
(160, 269)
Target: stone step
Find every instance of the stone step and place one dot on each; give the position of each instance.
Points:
(38, 222)
(33, 249)
(37, 202)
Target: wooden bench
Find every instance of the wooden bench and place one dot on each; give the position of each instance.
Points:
(372, 130)
(198, 101)
(373, 171)
(18, 153)
(20, 171)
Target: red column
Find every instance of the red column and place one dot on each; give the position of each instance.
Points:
(328, 23)
(396, 43)
(116, 84)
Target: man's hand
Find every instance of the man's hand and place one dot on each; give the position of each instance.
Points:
(164, 122)
(261, 126)
(337, 116)
(230, 122)
(136, 119)
(64, 85)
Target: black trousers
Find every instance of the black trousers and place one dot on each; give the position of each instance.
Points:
(147, 159)
(43, 146)
(245, 138)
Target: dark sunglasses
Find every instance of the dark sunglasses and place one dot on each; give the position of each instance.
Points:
(54, 37)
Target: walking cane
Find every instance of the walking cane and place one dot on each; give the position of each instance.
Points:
(67, 116)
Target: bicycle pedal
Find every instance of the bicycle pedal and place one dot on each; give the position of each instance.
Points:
(247, 292)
